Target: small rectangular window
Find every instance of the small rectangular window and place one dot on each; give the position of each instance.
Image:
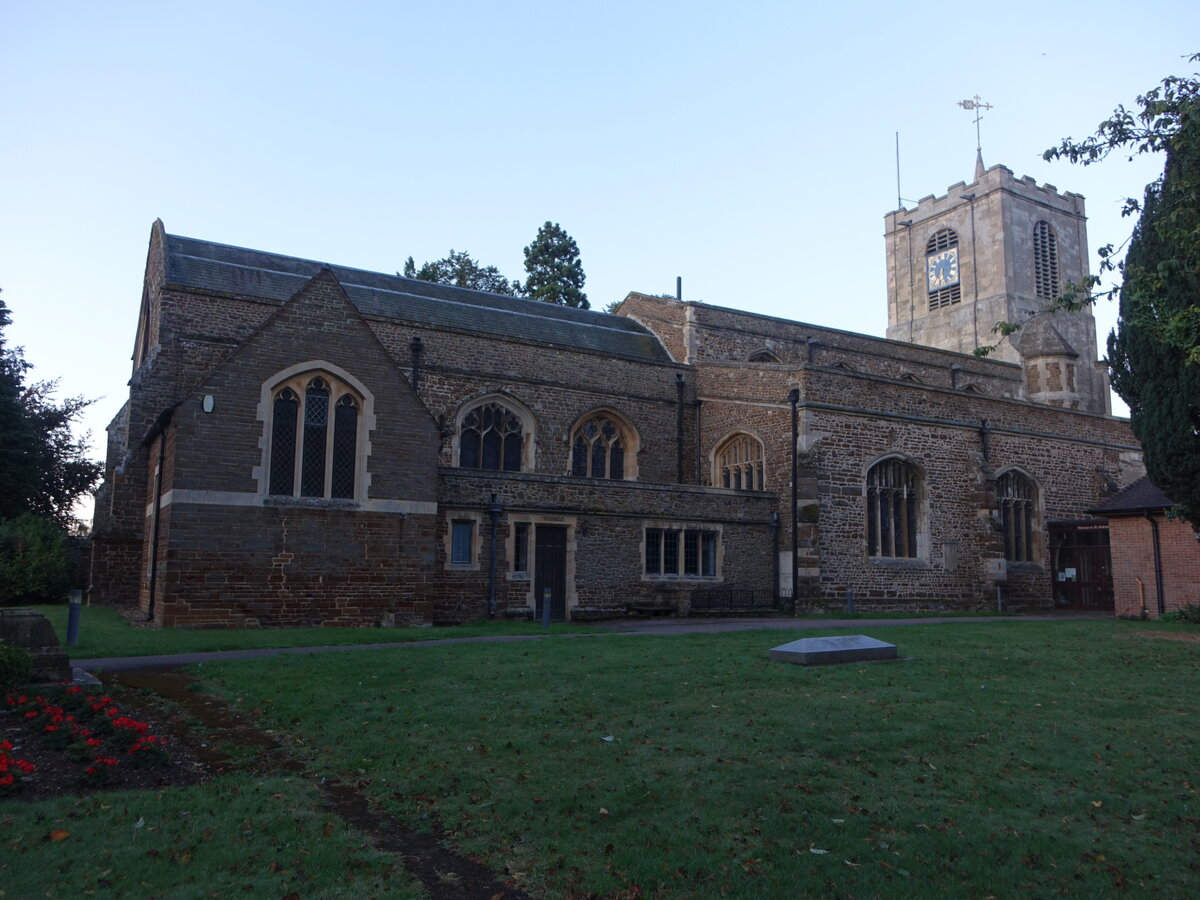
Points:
(462, 539)
(521, 547)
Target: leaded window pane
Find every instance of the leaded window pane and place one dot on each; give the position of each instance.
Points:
(316, 423)
(345, 435)
(461, 539)
(512, 452)
(654, 541)
(708, 553)
(599, 451)
(468, 449)
(283, 443)
(616, 460)
(492, 445)
(490, 439)
(579, 457)
(670, 552)
(691, 553)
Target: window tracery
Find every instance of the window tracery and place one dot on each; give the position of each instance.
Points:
(603, 446)
(739, 463)
(314, 453)
(893, 509)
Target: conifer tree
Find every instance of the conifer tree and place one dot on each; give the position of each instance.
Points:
(554, 272)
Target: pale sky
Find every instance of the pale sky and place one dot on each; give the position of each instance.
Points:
(748, 148)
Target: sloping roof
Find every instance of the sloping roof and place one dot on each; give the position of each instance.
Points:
(1040, 338)
(202, 265)
(1140, 496)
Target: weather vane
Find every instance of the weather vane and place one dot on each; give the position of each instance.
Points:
(977, 105)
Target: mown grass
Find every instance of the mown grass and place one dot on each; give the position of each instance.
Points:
(1000, 759)
(105, 633)
(235, 837)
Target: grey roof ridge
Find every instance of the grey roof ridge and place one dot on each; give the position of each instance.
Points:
(366, 287)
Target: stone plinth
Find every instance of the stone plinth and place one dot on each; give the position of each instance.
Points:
(820, 651)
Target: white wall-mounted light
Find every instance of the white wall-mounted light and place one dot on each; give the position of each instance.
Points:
(208, 403)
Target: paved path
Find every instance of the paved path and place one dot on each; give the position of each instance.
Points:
(662, 626)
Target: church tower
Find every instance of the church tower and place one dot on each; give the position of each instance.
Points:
(998, 249)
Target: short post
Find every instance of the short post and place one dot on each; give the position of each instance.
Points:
(999, 600)
(849, 601)
(547, 596)
(73, 610)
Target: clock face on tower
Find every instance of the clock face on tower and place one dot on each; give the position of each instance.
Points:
(942, 269)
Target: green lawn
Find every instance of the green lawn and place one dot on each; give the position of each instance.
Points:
(105, 633)
(235, 837)
(1001, 759)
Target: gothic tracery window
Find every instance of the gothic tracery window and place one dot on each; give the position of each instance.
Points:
(893, 508)
(1017, 495)
(600, 447)
(491, 437)
(314, 444)
(1045, 261)
(740, 463)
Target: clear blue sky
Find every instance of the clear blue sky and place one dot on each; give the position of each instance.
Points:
(749, 148)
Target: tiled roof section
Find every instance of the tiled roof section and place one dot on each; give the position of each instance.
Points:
(1143, 494)
(1040, 338)
(202, 265)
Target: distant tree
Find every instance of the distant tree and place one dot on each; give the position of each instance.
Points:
(461, 270)
(1155, 353)
(554, 272)
(44, 469)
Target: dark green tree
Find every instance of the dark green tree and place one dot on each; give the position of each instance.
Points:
(44, 469)
(461, 270)
(554, 272)
(1154, 354)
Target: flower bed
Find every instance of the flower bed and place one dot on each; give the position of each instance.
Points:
(92, 742)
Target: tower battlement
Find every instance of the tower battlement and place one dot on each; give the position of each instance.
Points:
(996, 178)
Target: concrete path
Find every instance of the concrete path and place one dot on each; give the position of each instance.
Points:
(664, 626)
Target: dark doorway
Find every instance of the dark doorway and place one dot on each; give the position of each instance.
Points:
(550, 571)
(1081, 566)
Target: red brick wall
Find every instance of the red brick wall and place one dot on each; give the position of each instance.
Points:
(1132, 540)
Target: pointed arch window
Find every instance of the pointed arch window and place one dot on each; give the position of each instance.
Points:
(941, 269)
(491, 436)
(1045, 261)
(603, 446)
(314, 449)
(893, 509)
(740, 463)
(1017, 496)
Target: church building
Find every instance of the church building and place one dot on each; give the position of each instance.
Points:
(307, 444)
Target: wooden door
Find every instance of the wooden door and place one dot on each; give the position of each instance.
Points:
(550, 570)
(1081, 567)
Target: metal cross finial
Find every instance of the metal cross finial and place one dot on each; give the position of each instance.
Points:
(977, 105)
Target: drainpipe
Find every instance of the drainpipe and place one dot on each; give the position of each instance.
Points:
(794, 400)
(1158, 575)
(775, 556)
(679, 428)
(157, 430)
(416, 346)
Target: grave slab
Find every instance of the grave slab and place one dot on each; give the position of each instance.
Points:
(822, 651)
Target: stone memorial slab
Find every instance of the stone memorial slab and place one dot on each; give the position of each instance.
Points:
(821, 651)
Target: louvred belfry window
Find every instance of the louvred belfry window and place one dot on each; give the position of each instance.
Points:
(314, 450)
(1045, 261)
(491, 437)
(598, 448)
